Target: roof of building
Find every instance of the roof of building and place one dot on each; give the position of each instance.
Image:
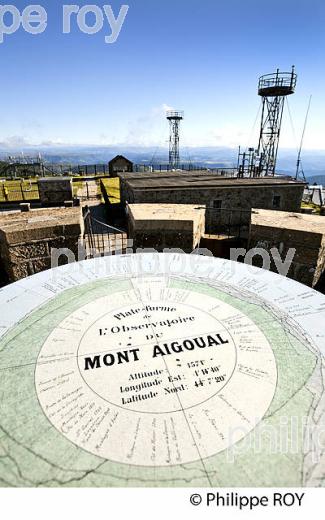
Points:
(15, 221)
(165, 211)
(285, 220)
(167, 216)
(118, 158)
(196, 179)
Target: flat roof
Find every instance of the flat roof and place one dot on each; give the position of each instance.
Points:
(166, 217)
(14, 221)
(165, 211)
(194, 180)
(285, 220)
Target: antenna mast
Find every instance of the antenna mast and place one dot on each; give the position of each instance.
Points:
(302, 139)
(174, 117)
(273, 88)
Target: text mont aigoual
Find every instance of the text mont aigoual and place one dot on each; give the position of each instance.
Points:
(164, 349)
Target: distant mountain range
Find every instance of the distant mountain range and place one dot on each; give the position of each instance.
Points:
(209, 157)
(317, 179)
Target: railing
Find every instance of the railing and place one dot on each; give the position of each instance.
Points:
(175, 114)
(102, 239)
(28, 171)
(85, 190)
(186, 167)
(51, 169)
(278, 79)
(18, 192)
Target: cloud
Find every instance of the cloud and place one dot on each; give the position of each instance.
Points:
(18, 142)
(150, 129)
(162, 109)
(15, 141)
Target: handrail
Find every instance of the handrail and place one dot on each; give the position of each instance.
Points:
(106, 226)
(175, 114)
(278, 74)
(284, 79)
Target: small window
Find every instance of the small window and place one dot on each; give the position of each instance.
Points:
(217, 204)
(276, 201)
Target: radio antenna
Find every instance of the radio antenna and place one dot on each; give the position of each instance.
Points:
(302, 141)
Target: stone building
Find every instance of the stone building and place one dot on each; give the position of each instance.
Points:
(26, 239)
(228, 200)
(283, 231)
(119, 164)
(162, 226)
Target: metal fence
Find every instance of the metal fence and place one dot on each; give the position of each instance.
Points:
(220, 171)
(102, 239)
(87, 190)
(17, 171)
(18, 192)
(47, 169)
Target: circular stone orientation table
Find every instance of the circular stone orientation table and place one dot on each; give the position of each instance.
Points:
(161, 370)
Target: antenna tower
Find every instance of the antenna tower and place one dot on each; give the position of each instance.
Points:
(174, 117)
(273, 88)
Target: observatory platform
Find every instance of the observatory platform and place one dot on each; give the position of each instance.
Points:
(175, 115)
(277, 84)
(153, 370)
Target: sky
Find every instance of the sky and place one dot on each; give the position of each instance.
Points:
(200, 56)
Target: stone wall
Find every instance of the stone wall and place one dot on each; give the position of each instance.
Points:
(232, 197)
(241, 199)
(166, 226)
(26, 239)
(284, 231)
(54, 191)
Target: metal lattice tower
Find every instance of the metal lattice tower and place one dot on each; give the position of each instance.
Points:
(273, 88)
(174, 117)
